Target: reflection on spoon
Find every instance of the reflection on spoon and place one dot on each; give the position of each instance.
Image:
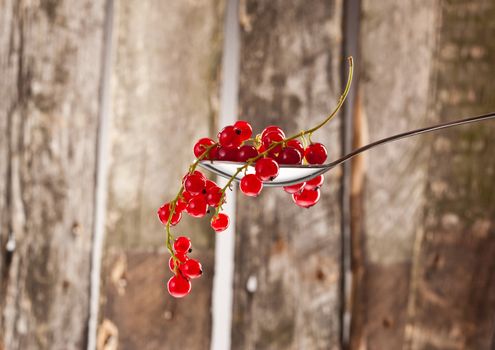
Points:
(293, 174)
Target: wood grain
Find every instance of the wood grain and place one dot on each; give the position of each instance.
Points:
(397, 42)
(50, 66)
(165, 92)
(453, 300)
(287, 258)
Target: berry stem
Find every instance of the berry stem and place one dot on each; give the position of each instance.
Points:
(301, 134)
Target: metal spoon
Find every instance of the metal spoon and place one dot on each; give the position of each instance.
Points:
(293, 174)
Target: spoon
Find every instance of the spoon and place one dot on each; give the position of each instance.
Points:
(293, 174)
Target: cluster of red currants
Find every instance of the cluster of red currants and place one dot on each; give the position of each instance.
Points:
(179, 285)
(267, 151)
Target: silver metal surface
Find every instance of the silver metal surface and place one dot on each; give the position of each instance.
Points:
(293, 174)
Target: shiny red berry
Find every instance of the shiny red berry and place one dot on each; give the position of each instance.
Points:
(271, 138)
(213, 196)
(243, 129)
(178, 286)
(294, 188)
(297, 145)
(197, 206)
(266, 169)
(246, 152)
(289, 155)
(181, 204)
(228, 137)
(182, 259)
(227, 154)
(220, 222)
(191, 268)
(194, 183)
(201, 146)
(306, 198)
(182, 245)
(315, 183)
(316, 153)
(251, 185)
(164, 214)
(210, 183)
(272, 128)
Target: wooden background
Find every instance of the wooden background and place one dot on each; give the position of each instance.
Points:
(423, 210)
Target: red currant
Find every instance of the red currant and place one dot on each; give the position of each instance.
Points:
(272, 128)
(181, 204)
(182, 245)
(191, 268)
(227, 153)
(201, 146)
(213, 196)
(270, 138)
(251, 185)
(220, 222)
(314, 183)
(306, 198)
(178, 286)
(297, 145)
(228, 137)
(266, 169)
(194, 183)
(246, 152)
(164, 214)
(210, 183)
(315, 153)
(243, 129)
(182, 259)
(289, 155)
(294, 188)
(197, 206)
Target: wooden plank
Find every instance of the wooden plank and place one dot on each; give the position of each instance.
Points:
(397, 41)
(453, 300)
(165, 94)
(50, 67)
(287, 259)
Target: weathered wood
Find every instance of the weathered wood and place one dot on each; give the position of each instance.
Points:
(165, 92)
(453, 300)
(396, 44)
(287, 258)
(50, 66)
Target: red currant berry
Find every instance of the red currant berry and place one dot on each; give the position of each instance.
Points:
(164, 214)
(306, 198)
(243, 129)
(186, 196)
(227, 153)
(201, 146)
(178, 286)
(272, 128)
(210, 183)
(213, 155)
(194, 183)
(251, 185)
(213, 196)
(297, 145)
(228, 137)
(220, 222)
(270, 138)
(182, 245)
(182, 259)
(197, 206)
(289, 155)
(191, 268)
(314, 183)
(181, 204)
(266, 169)
(294, 188)
(315, 153)
(246, 152)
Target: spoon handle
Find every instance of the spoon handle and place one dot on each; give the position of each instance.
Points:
(408, 134)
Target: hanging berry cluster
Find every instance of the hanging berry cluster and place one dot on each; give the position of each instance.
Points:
(266, 151)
